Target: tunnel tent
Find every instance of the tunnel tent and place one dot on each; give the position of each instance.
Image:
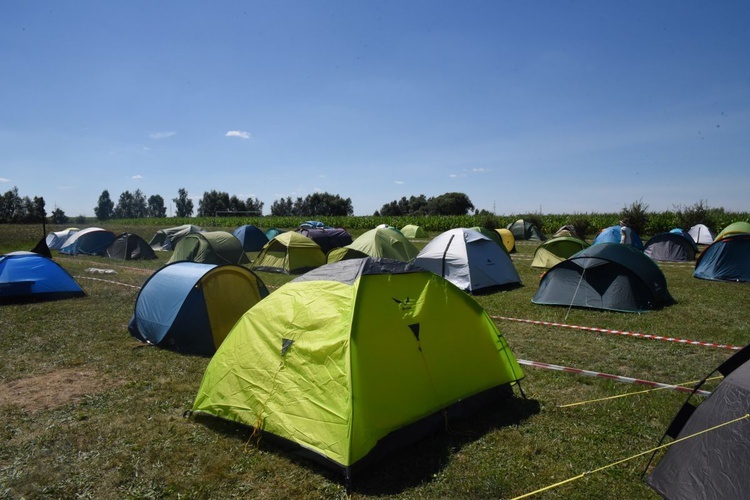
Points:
(89, 241)
(56, 239)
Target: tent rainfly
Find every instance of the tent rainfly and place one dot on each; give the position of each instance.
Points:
(413, 231)
(357, 358)
(327, 238)
(212, 247)
(556, 250)
(28, 276)
(166, 239)
(386, 242)
(701, 234)
(89, 241)
(55, 240)
(129, 246)
(670, 247)
(289, 253)
(252, 238)
(509, 241)
(524, 230)
(740, 227)
(726, 259)
(612, 234)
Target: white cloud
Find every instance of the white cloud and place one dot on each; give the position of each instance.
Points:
(137, 177)
(162, 135)
(3, 179)
(399, 182)
(238, 133)
(455, 176)
(480, 170)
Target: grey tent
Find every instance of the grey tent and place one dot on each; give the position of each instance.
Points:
(524, 230)
(129, 246)
(670, 247)
(166, 239)
(607, 276)
(711, 459)
(327, 238)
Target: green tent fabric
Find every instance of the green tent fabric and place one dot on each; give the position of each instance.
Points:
(289, 253)
(384, 242)
(734, 228)
(213, 247)
(413, 231)
(491, 234)
(523, 230)
(166, 239)
(351, 359)
(556, 250)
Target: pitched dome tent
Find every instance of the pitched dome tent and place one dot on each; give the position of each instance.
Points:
(701, 234)
(710, 465)
(469, 260)
(384, 242)
(327, 238)
(191, 307)
(523, 230)
(89, 241)
(607, 276)
(213, 247)
(567, 230)
(272, 232)
(129, 246)
(556, 250)
(612, 234)
(492, 235)
(726, 259)
(252, 238)
(289, 253)
(166, 239)
(509, 241)
(740, 227)
(55, 240)
(413, 231)
(670, 247)
(28, 276)
(357, 358)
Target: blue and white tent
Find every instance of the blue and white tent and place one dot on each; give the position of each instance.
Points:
(28, 276)
(726, 259)
(252, 238)
(57, 239)
(89, 241)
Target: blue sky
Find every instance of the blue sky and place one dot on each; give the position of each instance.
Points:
(525, 106)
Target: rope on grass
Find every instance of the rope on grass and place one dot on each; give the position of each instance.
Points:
(580, 403)
(618, 378)
(618, 462)
(106, 281)
(620, 332)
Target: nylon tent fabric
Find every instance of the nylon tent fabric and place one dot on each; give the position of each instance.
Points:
(251, 237)
(607, 276)
(523, 230)
(191, 307)
(726, 259)
(56, 239)
(710, 465)
(567, 230)
(344, 253)
(130, 246)
(509, 241)
(272, 232)
(356, 358)
(612, 234)
(28, 276)
(212, 247)
(701, 234)
(491, 234)
(166, 239)
(556, 250)
(412, 231)
(289, 253)
(89, 241)
(469, 260)
(327, 238)
(740, 227)
(385, 242)
(670, 247)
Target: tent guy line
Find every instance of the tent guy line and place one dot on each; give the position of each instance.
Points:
(106, 281)
(619, 378)
(620, 332)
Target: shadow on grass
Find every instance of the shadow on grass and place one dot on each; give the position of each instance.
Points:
(402, 468)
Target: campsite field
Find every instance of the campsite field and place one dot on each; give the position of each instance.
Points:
(89, 412)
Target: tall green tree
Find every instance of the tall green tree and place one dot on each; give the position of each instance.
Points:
(58, 216)
(183, 204)
(156, 206)
(283, 207)
(105, 207)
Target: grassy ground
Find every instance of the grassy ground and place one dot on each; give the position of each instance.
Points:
(90, 413)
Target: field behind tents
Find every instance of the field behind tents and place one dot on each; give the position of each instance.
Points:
(89, 412)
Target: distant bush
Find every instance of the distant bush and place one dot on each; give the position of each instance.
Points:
(636, 215)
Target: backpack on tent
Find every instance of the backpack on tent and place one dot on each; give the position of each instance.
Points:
(130, 246)
(191, 307)
(28, 276)
(726, 259)
(556, 250)
(356, 358)
(214, 247)
(469, 260)
(710, 455)
(289, 253)
(607, 276)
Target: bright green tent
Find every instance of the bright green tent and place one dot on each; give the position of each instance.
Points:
(557, 250)
(289, 253)
(412, 231)
(213, 247)
(353, 358)
(384, 242)
(734, 228)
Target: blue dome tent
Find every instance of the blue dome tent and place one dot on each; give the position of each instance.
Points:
(28, 276)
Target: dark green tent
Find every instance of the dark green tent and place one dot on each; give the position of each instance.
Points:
(214, 247)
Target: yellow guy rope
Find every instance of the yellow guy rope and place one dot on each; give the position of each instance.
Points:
(683, 384)
(652, 450)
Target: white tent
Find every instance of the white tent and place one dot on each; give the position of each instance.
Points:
(55, 240)
(468, 259)
(701, 234)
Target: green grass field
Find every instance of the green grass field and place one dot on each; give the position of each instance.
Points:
(89, 412)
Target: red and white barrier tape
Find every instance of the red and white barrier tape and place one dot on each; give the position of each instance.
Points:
(619, 378)
(620, 332)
